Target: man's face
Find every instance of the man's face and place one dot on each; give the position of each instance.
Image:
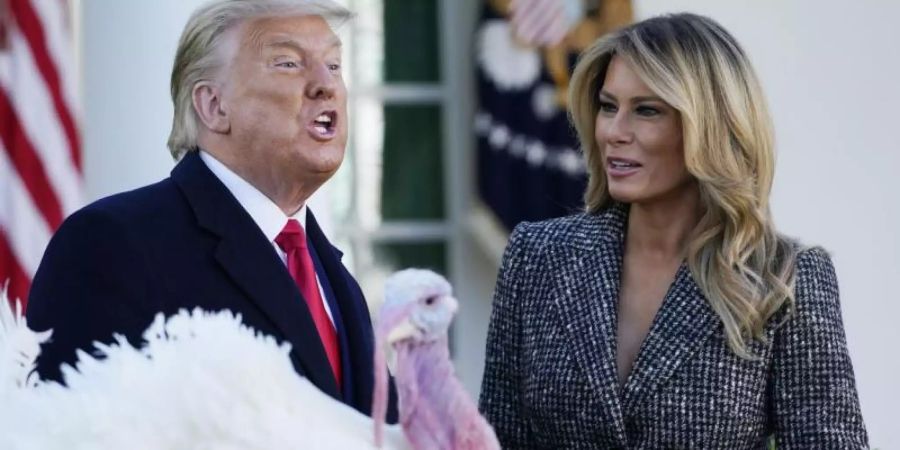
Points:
(286, 100)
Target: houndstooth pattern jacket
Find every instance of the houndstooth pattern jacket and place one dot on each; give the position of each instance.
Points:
(550, 379)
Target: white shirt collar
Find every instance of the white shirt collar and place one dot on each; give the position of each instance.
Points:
(267, 215)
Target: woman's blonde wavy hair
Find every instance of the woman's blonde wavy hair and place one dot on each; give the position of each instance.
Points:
(691, 62)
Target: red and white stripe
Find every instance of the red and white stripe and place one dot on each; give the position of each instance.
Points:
(539, 23)
(40, 149)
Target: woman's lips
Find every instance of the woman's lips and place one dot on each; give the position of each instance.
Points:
(621, 167)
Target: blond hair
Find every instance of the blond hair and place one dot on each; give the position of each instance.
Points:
(198, 57)
(735, 255)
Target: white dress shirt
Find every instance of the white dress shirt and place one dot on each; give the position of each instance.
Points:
(265, 213)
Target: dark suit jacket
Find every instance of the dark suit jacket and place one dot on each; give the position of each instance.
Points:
(551, 381)
(186, 242)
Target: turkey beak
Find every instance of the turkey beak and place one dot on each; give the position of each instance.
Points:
(404, 330)
(452, 304)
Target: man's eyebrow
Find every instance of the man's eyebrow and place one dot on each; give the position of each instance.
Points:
(295, 45)
(285, 43)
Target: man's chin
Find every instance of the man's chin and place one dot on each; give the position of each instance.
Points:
(324, 170)
(322, 158)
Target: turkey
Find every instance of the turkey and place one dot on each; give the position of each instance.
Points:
(202, 381)
(436, 412)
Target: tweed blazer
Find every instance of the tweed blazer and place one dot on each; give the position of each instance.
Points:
(550, 379)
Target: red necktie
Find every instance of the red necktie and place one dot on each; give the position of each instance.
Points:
(292, 240)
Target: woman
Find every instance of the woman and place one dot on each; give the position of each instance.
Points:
(670, 314)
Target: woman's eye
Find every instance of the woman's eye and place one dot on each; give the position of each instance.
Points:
(334, 67)
(288, 64)
(607, 107)
(647, 111)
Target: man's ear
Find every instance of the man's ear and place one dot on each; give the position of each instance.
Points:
(207, 98)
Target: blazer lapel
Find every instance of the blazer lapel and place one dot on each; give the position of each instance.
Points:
(586, 275)
(683, 324)
(249, 259)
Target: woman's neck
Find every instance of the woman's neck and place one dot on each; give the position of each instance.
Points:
(662, 229)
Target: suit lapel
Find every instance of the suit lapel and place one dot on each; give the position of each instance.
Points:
(250, 260)
(683, 324)
(586, 276)
(354, 315)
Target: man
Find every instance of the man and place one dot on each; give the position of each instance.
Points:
(260, 123)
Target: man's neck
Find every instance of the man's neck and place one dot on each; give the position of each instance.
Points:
(288, 193)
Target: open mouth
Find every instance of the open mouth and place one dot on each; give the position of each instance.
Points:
(621, 166)
(323, 126)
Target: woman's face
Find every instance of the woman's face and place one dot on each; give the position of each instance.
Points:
(640, 140)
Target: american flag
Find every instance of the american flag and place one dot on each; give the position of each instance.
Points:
(529, 164)
(40, 161)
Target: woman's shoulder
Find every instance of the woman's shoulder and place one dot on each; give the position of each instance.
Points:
(815, 278)
(549, 229)
(810, 260)
(581, 228)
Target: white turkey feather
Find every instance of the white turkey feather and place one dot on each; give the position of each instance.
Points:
(202, 381)
(19, 346)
